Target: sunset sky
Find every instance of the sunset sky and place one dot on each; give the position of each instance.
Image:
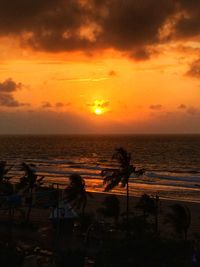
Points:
(99, 66)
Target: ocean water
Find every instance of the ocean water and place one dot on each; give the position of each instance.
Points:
(172, 162)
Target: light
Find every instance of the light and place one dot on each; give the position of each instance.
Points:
(98, 111)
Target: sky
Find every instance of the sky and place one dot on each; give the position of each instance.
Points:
(99, 66)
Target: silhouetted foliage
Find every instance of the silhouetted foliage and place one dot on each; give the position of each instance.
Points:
(111, 207)
(30, 180)
(47, 196)
(149, 206)
(28, 183)
(6, 188)
(85, 220)
(76, 192)
(180, 219)
(121, 175)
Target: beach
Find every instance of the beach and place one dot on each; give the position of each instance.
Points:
(39, 235)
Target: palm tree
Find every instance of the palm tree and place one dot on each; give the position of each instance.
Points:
(114, 177)
(76, 192)
(28, 183)
(6, 188)
(180, 219)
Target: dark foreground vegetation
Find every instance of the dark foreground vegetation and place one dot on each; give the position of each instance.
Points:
(44, 225)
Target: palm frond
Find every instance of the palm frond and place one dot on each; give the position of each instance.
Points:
(122, 156)
(139, 172)
(30, 179)
(76, 192)
(40, 179)
(4, 169)
(112, 182)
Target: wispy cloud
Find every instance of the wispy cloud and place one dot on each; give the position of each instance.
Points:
(48, 105)
(99, 104)
(156, 107)
(83, 79)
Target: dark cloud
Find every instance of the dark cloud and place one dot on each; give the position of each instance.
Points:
(7, 88)
(129, 26)
(38, 16)
(156, 107)
(194, 69)
(60, 104)
(46, 104)
(100, 104)
(182, 106)
(104, 104)
(189, 23)
(187, 110)
(71, 25)
(141, 54)
(132, 24)
(7, 100)
(46, 25)
(193, 111)
(112, 73)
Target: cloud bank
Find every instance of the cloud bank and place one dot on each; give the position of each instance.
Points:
(52, 122)
(129, 26)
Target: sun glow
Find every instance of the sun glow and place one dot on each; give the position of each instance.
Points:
(98, 111)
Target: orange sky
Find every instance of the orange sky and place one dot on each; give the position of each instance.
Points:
(120, 84)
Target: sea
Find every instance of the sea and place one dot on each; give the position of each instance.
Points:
(171, 162)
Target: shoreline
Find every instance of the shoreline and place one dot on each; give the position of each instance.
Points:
(142, 193)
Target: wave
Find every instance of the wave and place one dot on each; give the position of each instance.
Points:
(174, 176)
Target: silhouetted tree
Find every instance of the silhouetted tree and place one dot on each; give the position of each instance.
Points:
(76, 192)
(114, 177)
(111, 207)
(180, 219)
(6, 188)
(28, 183)
(6, 191)
(149, 206)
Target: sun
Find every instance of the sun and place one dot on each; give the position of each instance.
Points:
(98, 111)
(98, 107)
